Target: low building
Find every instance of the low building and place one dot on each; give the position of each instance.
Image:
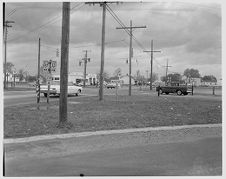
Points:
(125, 80)
(208, 83)
(11, 77)
(193, 81)
(78, 77)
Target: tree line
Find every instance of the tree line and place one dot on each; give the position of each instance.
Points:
(188, 73)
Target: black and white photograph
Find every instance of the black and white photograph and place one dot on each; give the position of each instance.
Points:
(112, 88)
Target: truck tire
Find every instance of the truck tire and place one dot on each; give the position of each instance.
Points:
(179, 92)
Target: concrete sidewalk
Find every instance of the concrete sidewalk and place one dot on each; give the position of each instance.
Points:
(68, 144)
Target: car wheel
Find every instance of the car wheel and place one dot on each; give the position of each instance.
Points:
(76, 94)
(179, 92)
(160, 91)
(167, 93)
(45, 94)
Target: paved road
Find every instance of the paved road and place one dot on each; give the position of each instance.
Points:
(188, 151)
(201, 157)
(12, 98)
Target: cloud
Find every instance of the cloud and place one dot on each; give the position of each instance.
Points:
(188, 34)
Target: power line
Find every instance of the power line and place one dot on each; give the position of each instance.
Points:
(51, 21)
(11, 12)
(123, 25)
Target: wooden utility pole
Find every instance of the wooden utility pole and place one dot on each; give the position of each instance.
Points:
(167, 66)
(38, 78)
(102, 52)
(64, 63)
(130, 49)
(103, 4)
(6, 25)
(152, 50)
(3, 18)
(86, 60)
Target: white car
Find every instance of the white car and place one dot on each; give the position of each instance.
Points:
(55, 89)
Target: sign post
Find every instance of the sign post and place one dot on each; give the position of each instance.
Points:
(49, 67)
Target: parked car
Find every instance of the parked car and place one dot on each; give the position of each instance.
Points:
(178, 89)
(111, 85)
(55, 89)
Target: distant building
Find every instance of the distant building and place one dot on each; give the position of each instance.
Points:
(194, 81)
(11, 77)
(125, 80)
(208, 83)
(78, 77)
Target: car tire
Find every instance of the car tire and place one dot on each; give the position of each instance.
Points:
(160, 91)
(45, 95)
(179, 92)
(76, 94)
(167, 92)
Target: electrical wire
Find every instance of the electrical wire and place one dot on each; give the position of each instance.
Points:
(123, 25)
(51, 21)
(11, 12)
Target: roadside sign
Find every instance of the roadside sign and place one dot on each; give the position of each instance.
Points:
(49, 78)
(53, 65)
(46, 64)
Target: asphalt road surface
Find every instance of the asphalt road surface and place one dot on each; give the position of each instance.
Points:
(181, 151)
(198, 157)
(13, 98)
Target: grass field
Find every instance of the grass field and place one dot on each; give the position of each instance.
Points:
(90, 114)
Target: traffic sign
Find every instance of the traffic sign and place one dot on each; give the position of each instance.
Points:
(49, 78)
(46, 64)
(53, 65)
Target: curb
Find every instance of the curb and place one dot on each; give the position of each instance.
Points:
(105, 132)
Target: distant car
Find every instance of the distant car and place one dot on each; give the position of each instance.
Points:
(111, 85)
(55, 89)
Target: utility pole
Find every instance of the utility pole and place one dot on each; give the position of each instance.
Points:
(38, 78)
(102, 52)
(130, 48)
(3, 18)
(86, 59)
(6, 25)
(103, 4)
(64, 63)
(151, 75)
(167, 66)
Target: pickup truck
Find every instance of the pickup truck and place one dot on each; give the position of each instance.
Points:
(179, 90)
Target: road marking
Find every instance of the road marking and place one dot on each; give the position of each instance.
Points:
(106, 132)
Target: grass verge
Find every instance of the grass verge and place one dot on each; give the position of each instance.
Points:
(89, 114)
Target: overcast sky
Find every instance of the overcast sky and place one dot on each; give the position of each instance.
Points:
(187, 33)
